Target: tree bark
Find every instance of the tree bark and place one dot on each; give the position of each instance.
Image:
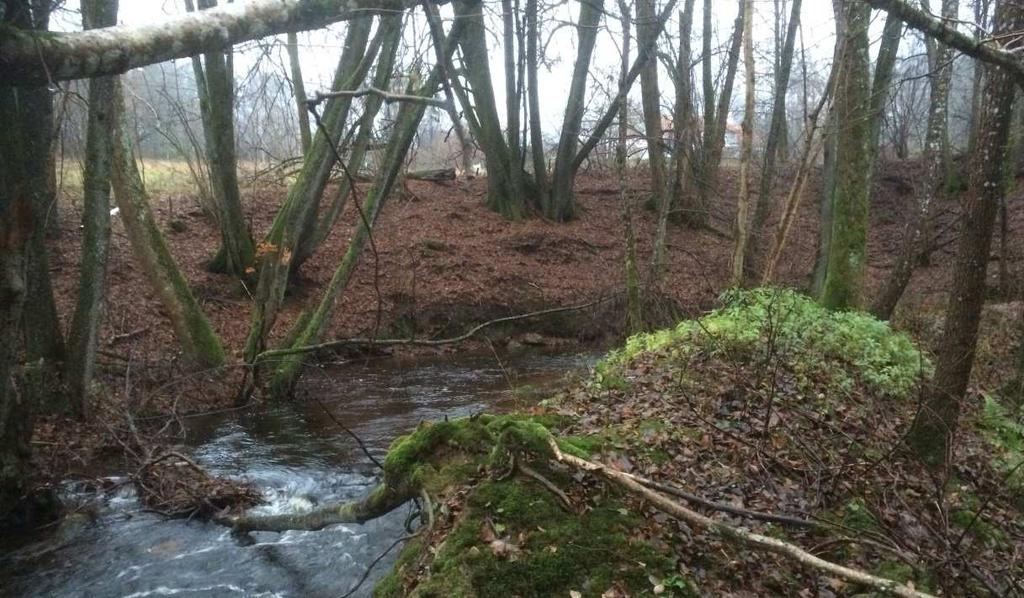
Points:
(83, 337)
(504, 186)
(198, 340)
(933, 431)
(558, 204)
(634, 303)
(540, 168)
(357, 154)
(848, 246)
(714, 138)
(774, 140)
(217, 91)
(915, 239)
(287, 370)
(647, 32)
(683, 127)
(741, 232)
(297, 216)
(36, 57)
(299, 90)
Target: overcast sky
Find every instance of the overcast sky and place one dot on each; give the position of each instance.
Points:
(320, 49)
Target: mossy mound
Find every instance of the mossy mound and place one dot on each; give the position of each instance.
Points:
(844, 349)
(502, 533)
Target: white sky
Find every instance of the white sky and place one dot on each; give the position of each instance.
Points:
(319, 50)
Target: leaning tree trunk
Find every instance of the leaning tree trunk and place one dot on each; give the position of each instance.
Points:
(934, 428)
(741, 233)
(217, 90)
(299, 91)
(650, 96)
(915, 240)
(775, 139)
(298, 213)
(558, 204)
(83, 337)
(198, 340)
(287, 370)
(392, 28)
(847, 254)
(714, 139)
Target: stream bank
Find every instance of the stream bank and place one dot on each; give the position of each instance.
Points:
(299, 458)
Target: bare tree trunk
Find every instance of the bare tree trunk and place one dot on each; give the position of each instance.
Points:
(83, 337)
(848, 246)
(915, 234)
(197, 338)
(682, 136)
(650, 94)
(558, 204)
(981, 11)
(299, 90)
(540, 174)
(695, 213)
(746, 148)
(634, 302)
(216, 89)
(645, 52)
(287, 371)
(297, 216)
(828, 169)
(812, 147)
(776, 134)
(934, 429)
(512, 101)
(714, 138)
(503, 195)
(392, 26)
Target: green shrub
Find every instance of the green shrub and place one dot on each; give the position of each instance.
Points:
(1007, 435)
(848, 346)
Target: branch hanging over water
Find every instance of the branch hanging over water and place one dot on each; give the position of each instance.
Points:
(347, 342)
(379, 502)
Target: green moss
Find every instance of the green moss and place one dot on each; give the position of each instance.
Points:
(858, 516)
(554, 551)
(843, 347)
(900, 571)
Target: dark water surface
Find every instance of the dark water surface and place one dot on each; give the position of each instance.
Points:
(300, 457)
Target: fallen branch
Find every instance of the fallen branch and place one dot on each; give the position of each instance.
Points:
(380, 501)
(724, 508)
(774, 545)
(423, 342)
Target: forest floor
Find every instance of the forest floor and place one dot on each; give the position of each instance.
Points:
(444, 262)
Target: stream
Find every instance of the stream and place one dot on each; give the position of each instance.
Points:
(300, 458)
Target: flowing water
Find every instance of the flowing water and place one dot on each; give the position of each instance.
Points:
(301, 458)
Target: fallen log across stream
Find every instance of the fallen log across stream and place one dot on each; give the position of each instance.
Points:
(432, 459)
